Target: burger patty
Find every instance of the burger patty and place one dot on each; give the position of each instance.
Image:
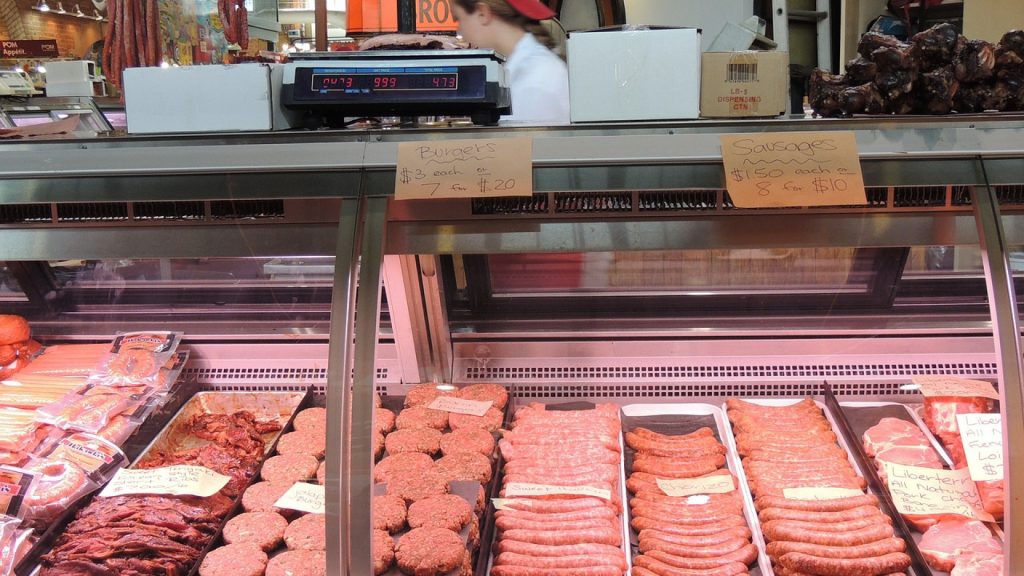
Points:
(308, 532)
(444, 511)
(416, 487)
(424, 394)
(383, 551)
(289, 468)
(490, 421)
(403, 464)
(312, 442)
(465, 466)
(469, 439)
(311, 419)
(389, 513)
(421, 417)
(245, 559)
(495, 393)
(383, 420)
(260, 497)
(265, 529)
(426, 440)
(298, 563)
(430, 551)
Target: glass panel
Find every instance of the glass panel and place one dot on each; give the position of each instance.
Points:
(925, 261)
(9, 289)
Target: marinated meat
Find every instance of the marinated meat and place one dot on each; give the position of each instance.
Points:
(935, 47)
(943, 543)
(976, 62)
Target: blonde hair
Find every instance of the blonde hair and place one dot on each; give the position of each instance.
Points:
(506, 12)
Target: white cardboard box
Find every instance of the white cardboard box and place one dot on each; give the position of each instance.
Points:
(211, 98)
(647, 74)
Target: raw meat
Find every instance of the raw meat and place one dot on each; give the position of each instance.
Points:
(943, 543)
(972, 563)
(940, 411)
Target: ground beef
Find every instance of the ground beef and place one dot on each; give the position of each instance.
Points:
(245, 559)
(445, 511)
(421, 417)
(310, 442)
(298, 563)
(426, 440)
(496, 393)
(378, 446)
(418, 486)
(465, 466)
(308, 532)
(289, 468)
(265, 529)
(311, 419)
(430, 551)
(468, 440)
(490, 421)
(403, 464)
(321, 473)
(389, 513)
(260, 497)
(383, 420)
(383, 551)
(425, 394)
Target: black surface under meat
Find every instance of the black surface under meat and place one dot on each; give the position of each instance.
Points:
(935, 47)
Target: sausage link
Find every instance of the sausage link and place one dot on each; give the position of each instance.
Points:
(528, 571)
(558, 538)
(506, 523)
(743, 556)
(652, 435)
(872, 549)
(640, 523)
(532, 549)
(774, 532)
(767, 514)
(140, 32)
(729, 500)
(659, 568)
(702, 540)
(584, 514)
(578, 561)
(834, 505)
(887, 564)
(243, 26)
(666, 467)
(128, 35)
(711, 551)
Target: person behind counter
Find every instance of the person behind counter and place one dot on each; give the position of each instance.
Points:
(538, 78)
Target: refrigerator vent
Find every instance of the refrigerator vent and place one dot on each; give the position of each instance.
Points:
(878, 197)
(919, 196)
(961, 196)
(746, 389)
(1010, 194)
(168, 210)
(678, 200)
(92, 212)
(246, 209)
(593, 202)
(267, 379)
(536, 204)
(24, 213)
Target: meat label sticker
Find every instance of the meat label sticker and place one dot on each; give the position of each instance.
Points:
(982, 436)
(525, 489)
(15, 483)
(797, 169)
(464, 168)
(460, 406)
(952, 386)
(819, 493)
(717, 484)
(926, 491)
(304, 497)
(91, 453)
(179, 480)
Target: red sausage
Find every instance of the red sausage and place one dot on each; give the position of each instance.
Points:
(881, 547)
(887, 564)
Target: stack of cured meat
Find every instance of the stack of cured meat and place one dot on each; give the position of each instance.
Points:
(561, 534)
(794, 446)
(700, 534)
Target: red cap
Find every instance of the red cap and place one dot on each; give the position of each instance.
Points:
(532, 9)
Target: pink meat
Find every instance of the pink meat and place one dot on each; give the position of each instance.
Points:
(940, 411)
(978, 564)
(891, 432)
(944, 542)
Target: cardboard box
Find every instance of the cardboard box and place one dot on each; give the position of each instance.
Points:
(211, 98)
(744, 84)
(620, 74)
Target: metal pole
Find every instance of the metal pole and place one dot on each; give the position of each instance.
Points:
(320, 23)
(406, 16)
(1006, 333)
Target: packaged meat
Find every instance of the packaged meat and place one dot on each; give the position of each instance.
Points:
(135, 359)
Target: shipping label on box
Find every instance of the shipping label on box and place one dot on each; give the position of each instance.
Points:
(743, 84)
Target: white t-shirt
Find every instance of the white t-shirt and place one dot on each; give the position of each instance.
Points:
(539, 82)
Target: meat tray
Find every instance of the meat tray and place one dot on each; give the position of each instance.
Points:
(857, 463)
(581, 405)
(686, 418)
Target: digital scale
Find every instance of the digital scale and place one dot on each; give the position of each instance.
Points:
(335, 85)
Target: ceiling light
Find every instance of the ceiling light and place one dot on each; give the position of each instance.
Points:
(78, 11)
(60, 8)
(43, 6)
(96, 15)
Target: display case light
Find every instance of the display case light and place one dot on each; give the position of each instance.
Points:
(78, 11)
(60, 8)
(96, 15)
(42, 6)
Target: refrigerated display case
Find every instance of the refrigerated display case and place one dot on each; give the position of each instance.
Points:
(628, 277)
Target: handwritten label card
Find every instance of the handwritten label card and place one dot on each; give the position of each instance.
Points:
(464, 168)
(982, 436)
(178, 480)
(793, 169)
(304, 497)
(460, 406)
(525, 489)
(918, 490)
(953, 386)
(717, 484)
(819, 493)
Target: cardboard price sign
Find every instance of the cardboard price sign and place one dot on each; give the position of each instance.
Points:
(918, 490)
(304, 497)
(526, 489)
(717, 484)
(180, 480)
(464, 169)
(953, 386)
(820, 493)
(982, 437)
(793, 169)
(460, 406)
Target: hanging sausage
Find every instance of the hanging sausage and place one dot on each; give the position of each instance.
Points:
(132, 38)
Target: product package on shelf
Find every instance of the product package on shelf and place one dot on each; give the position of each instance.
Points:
(16, 345)
(815, 514)
(690, 508)
(435, 467)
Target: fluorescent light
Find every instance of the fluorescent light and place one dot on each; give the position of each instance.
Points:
(43, 6)
(60, 8)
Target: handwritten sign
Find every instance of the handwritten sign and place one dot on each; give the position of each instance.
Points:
(953, 386)
(982, 436)
(525, 489)
(503, 503)
(464, 168)
(793, 169)
(460, 406)
(819, 493)
(918, 490)
(304, 497)
(178, 480)
(717, 484)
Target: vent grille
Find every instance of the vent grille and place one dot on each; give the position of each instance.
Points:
(678, 200)
(246, 209)
(536, 204)
(728, 204)
(93, 212)
(878, 197)
(168, 210)
(267, 379)
(1010, 194)
(24, 213)
(961, 196)
(593, 202)
(723, 390)
(919, 196)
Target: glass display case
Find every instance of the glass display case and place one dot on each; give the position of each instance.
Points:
(628, 277)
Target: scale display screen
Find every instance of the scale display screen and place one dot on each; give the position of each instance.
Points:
(372, 80)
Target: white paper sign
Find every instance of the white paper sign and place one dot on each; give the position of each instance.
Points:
(982, 436)
(819, 493)
(918, 490)
(460, 405)
(953, 386)
(717, 484)
(180, 480)
(526, 489)
(304, 497)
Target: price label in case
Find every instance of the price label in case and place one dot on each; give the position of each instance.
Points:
(526, 489)
(819, 493)
(953, 386)
(917, 490)
(304, 497)
(982, 437)
(179, 480)
(464, 168)
(460, 405)
(717, 484)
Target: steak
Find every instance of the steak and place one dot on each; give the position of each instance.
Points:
(946, 541)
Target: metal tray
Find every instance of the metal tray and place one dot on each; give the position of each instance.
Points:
(683, 419)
